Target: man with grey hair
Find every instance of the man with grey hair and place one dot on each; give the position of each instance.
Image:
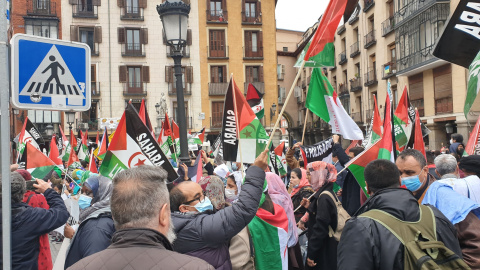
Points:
(140, 206)
(446, 166)
(29, 223)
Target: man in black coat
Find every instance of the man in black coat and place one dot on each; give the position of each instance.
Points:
(29, 223)
(366, 244)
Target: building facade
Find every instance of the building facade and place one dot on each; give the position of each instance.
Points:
(237, 37)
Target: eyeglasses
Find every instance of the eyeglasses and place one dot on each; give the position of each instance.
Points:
(200, 199)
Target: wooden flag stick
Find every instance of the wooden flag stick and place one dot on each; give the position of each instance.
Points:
(305, 124)
(286, 102)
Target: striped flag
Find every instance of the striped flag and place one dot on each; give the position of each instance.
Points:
(36, 162)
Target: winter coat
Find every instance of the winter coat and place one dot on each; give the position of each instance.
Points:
(207, 235)
(366, 244)
(351, 188)
(28, 224)
(241, 251)
(322, 249)
(304, 192)
(468, 232)
(93, 235)
(139, 249)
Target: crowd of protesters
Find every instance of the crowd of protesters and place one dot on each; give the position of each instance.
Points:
(142, 220)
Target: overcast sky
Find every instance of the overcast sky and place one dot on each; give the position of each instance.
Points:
(299, 14)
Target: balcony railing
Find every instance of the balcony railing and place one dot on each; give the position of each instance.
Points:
(370, 78)
(444, 105)
(357, 117)
(134, 89)
(341, 29)
(253, 52)
(370, 39)
(41, 7)
(368, 4)
(95, 88)
(387, 26)
(219, 52)
(185, 51)
(84, 11)
(418, 103)
(251, 18)
(217, 16)
(354, 49)
(343, 88)
(389, 69)
(342, 58)
(259, 85)
(355, 84)
(131, 13)
(216, 122)
(217, 89)
(172, 90)
(411, 9)
(369, 115)
(280, 76)
(133, 49)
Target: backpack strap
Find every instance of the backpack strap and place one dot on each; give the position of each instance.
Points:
(403, 233)
(331, 231)
(29, 197)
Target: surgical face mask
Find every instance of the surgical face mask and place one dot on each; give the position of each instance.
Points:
(204, 206)
(296, 186)
(230, 194)
(84, 201)
(234, 166)
(412, 182)
(451, 141)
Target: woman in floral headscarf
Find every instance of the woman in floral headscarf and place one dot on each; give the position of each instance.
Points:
(300, 189)
(215, 190)
(322, 249)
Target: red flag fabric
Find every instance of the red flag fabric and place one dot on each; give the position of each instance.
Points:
(327, 28)
(419, 144)
(354, 143)
(402, 108)
(73, 157)
(85, 138)
(279, 149)
(102, 148)
(377, 121)
(175, 131)
(252, 93)
(54, 153)
(36, 159)
(144, 117)
(472, 145)
(201, 136)
(386, 144)
(92, 166)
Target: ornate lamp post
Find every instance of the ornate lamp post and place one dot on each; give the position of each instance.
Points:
(70, 117)
(174, 16)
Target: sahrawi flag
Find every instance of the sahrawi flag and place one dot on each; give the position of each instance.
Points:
(375, 132)
(270, 239)
(29, 134)
(473, 84)
(255, 100)
(83, 149)
(243, 136)
(402, 122)
(323, 101)
(133, 145)
(473, 144)
(280, 155)
(36, 162)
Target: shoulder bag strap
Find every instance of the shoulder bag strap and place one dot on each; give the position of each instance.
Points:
(29, 197)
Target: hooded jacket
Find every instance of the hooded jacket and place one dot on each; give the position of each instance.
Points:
(207, 235)
(366, 244)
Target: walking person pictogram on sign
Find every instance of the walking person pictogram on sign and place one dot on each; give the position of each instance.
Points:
(53, 75)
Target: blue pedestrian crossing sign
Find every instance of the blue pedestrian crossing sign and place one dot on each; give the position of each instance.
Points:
(50, 74)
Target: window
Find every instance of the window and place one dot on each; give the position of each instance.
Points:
(85, 6)
(44, 118)
(171, 79)
(253, 44)
(254, 74)
(88, 35)
(42, 28)
(216, 8)
(175, 114)
(217, 11)
(134, 40)
(93, 77)
(280, 72)
(217, 46)
(90, 118)
(136, 103)
(285, 49)
(395, 96)
(134, 78)
(133, 45)
(250, 9)
(217, 114)
(131, 7)
(218, 74)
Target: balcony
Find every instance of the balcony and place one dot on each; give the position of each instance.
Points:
(354, 49)
(217, 16)
(185, 51)
(134, 89)
(371, 78)
(217, 89)
(251, 18)
(443, 105)
(133, 49)
(355, 84)
(250, 52)
(87, 124)
(413, 8)
(387, 26)
(216, 122)
(41, 7)
(280, 76)
(218, 52)
(343, 89)
(95, 88)
(172, 90)
(341, 29)
(368, 4)
(389, 69)
(370, 39)
(342, 58)
(357, 117)
(84, 11)
(131, 13)
(369, 115)
(259, 85)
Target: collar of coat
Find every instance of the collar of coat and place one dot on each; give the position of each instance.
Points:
(143, 237)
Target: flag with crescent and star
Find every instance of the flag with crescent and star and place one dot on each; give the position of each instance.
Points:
(242, 132)
(133, 145)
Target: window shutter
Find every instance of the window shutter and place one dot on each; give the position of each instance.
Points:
(163, 37)
(97, 34)
(260, 73)
(142, 3)
(248, 40)
(189, 71)
(243, 7)
(283, 70)
(224, 70)
(248, 71)
(213, 74)
(146, 74)
(73, 33)
(122, 74)
(189, 37)
(121, 3)
(121, 35)
(168, 74)
(260, 41)
(96, 2)
(72, 2)
(259, 8)
(224, 9)
(144, 35)
(93, 73)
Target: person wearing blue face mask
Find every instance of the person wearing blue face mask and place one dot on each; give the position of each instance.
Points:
(414, 172)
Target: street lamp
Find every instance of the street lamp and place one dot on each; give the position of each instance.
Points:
(449, 128)
(49, 130)
(70, 116)
(174, 16)
(273, 109)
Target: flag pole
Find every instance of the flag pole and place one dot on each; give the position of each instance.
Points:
(286, 102)
(305, 125)
(236, 120)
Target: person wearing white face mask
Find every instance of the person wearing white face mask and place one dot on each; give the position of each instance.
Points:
(234, 186)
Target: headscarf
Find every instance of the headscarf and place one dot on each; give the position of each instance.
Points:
(238, 180)
(221, 170)
(321, 173)
(214, 190)
(92, 183)
(470, 164)
(303, 183)
(101, 199)
(279, 195)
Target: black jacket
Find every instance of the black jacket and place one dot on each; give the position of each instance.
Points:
(366, 244)
(28, 224)
(351, 188)
(93, 235)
